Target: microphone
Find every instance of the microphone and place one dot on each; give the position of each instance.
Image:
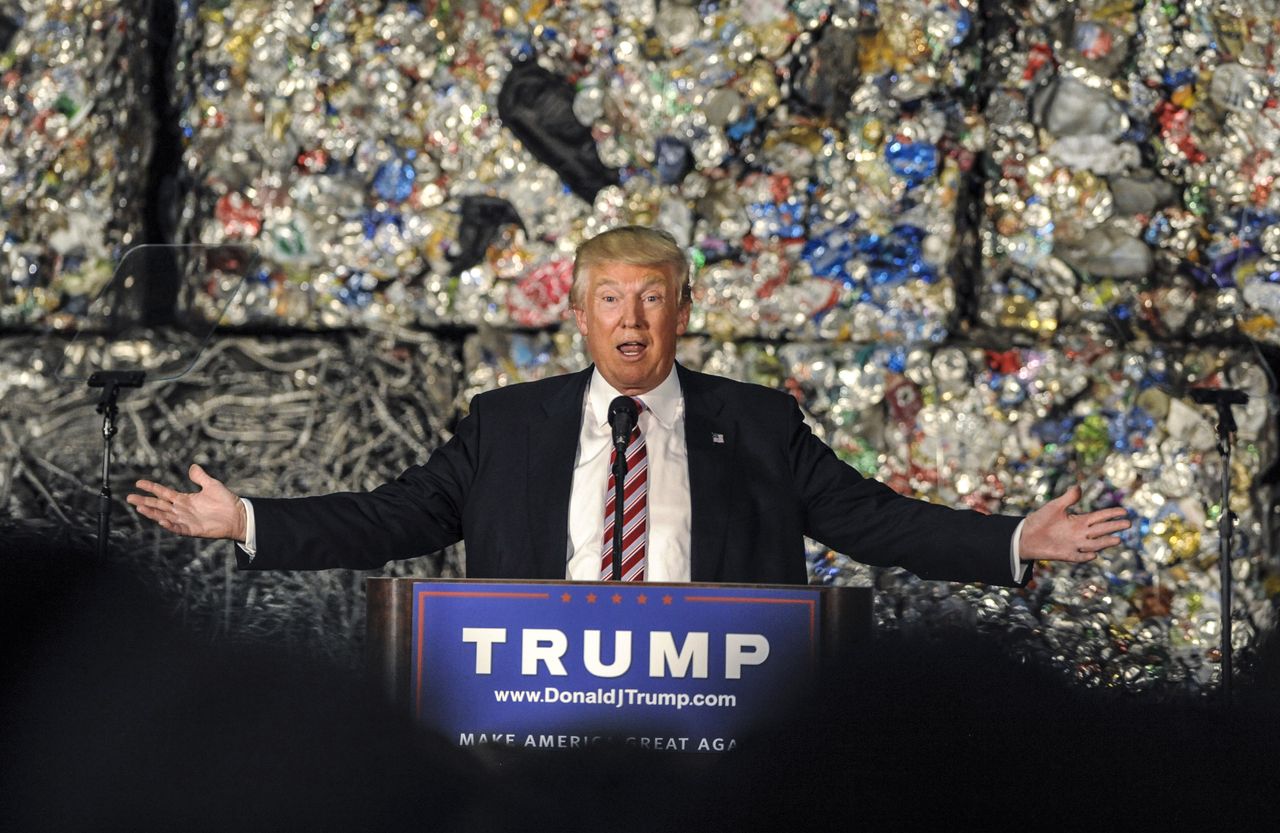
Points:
(623, 415)
(1222, 399)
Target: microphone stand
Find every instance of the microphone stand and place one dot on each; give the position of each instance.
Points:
(623, 416)
(619, 484)
(1223, 399)
(111, 381)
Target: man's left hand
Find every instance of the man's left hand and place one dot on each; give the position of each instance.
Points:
(1052, 533)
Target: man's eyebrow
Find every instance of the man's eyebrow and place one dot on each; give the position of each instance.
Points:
(649, 282)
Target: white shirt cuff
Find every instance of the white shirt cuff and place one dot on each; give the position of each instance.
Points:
(250, 545)
(1016, 565)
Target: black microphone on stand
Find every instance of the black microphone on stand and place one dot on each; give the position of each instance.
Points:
(1223, 399)
(623, 415)
(111, 382)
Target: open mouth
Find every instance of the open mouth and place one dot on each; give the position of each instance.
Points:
(631, 349)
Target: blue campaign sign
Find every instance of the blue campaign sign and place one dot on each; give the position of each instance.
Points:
(679, 667)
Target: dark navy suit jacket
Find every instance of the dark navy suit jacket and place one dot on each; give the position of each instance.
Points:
(759, 481)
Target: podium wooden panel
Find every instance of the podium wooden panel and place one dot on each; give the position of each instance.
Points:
(845, 621)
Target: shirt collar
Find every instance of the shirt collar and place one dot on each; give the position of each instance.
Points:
(663, 401)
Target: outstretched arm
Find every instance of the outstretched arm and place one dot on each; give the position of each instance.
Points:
(1052, 533)
(212, 511)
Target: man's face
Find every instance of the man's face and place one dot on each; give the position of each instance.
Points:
(630, 316)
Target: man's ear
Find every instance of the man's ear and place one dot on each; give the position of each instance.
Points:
(580, 317)
(682, 318)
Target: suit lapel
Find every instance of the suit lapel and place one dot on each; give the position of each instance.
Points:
(709, 440)
(552, 448)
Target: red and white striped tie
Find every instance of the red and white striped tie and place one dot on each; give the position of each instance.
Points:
(635, 509)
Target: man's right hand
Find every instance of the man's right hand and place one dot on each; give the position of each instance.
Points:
(211, 512)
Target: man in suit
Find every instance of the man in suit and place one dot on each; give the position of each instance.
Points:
(732, 477)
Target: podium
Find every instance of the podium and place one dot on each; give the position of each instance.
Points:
(685, 667)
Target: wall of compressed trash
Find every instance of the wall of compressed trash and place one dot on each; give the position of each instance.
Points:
(988, 247)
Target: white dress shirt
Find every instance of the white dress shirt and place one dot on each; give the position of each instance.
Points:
(667, 554)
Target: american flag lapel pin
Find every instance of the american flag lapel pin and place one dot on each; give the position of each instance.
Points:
(717, 438)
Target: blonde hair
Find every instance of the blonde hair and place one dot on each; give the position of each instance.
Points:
(638, 246)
